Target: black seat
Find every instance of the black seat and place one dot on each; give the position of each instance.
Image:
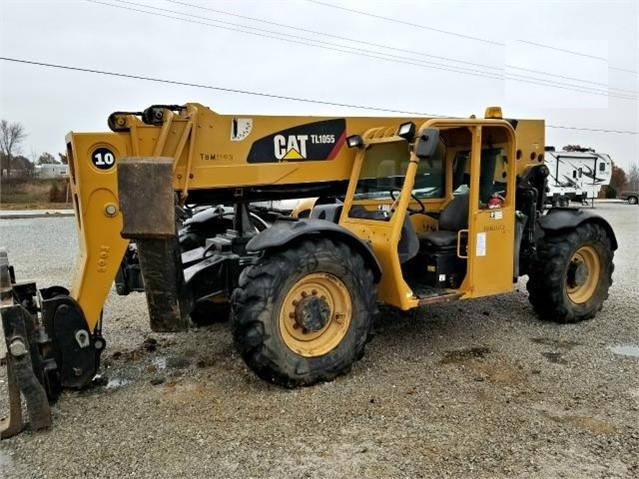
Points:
(454, 217)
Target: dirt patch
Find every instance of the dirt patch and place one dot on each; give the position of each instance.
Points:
(596, 426)
(556, 343)
(462, 355)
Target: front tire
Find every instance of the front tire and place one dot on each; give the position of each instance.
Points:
(570, 278)
(303, 315)
(632, 200)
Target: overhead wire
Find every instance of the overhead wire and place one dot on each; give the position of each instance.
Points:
(447, 32)
(403, 22)
(388, 47)
(358, 51)
(268, 95)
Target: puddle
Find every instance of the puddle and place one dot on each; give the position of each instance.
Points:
(460, 355)
(159, 362)
(626, 350)
(117, 383)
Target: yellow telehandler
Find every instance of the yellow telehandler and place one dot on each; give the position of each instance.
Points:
(409, 212)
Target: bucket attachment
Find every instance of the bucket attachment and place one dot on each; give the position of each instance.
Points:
(148, 208)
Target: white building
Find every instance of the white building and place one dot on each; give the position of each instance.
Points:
(52, 171)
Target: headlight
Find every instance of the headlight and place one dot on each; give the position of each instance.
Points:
(354, 141)
(406, 131)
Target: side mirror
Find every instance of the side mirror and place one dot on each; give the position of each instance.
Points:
(427, 142)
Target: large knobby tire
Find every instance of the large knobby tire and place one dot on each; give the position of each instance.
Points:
(570, 278)
(302, 315)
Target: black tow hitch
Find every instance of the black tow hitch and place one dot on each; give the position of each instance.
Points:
(48, 347)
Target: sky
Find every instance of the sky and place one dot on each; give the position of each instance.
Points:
(573, 63)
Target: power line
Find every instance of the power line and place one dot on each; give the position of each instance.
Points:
(579, 54)
(211, 87)
(563, 50)
(301, 40)
(267, 95)
(573, 78)
(279, 36)
(600, 130)
(306, 30)
(413, 52)
(365, 53)
(402, 22)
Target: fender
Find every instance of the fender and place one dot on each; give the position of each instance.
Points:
(285, 232)
(569, 218)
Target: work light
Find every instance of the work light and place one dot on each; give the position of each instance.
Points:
(406, 130)
(354, 141)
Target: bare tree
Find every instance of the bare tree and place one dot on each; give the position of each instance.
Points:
(11, 137)
(633, 176)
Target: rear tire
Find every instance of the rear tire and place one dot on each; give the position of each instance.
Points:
(302, 315)
(570, 278)
(632, 200)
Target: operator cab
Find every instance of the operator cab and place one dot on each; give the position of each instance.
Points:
(437, 208)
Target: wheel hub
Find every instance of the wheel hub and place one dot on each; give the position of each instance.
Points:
(577, 273)
(312, 314)
(316, 314)
(582, 275)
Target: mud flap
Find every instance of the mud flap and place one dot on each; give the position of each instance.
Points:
(147, 203)
(19, 335)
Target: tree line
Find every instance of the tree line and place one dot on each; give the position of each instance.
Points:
(12, 137)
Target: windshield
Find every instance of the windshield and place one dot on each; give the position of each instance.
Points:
(384, 170)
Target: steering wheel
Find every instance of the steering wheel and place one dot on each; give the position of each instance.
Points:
(422, 208)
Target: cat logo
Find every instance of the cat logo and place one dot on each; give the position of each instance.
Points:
(291, 147)
(317, 141)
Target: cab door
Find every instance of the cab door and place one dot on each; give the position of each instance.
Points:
(491, 226)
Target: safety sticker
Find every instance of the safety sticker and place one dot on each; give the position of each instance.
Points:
(480, 245)
(241, 128)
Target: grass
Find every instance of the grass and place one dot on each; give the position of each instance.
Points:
(34, 205)
(33, 193)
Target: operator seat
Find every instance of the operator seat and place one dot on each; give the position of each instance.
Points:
(454, 217)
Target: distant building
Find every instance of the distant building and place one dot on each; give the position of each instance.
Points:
(52, 171)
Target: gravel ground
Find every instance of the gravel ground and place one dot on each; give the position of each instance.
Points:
(477, 389)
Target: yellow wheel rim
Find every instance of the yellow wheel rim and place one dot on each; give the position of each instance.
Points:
(315, 315)
(583, 274)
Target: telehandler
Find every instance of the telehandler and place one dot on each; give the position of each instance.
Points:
(409, 212)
